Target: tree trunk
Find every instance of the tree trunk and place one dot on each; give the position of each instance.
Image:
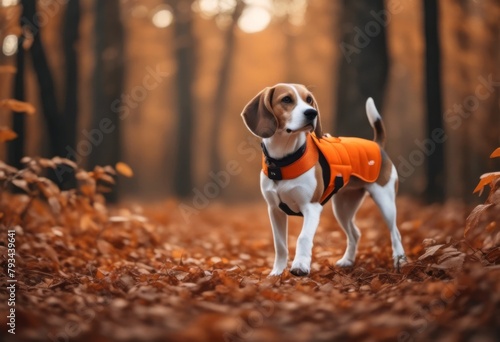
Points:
(222, 88)
(435, 161)
(61, 129)
(184, 54)
(16, 146)
(363, 66)
(45, 81)
(70, 110)
(70, 38)
(108, 79)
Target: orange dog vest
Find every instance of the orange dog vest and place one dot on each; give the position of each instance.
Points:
(340, 158)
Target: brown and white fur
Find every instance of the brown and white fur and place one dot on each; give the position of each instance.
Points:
(282, 116)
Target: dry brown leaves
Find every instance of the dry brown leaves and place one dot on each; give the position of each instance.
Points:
(6, 134)
(488, 178)
(87, 272)
(482, 225)
(17, 106)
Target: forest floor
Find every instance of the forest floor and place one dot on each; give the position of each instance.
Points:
(86, 272)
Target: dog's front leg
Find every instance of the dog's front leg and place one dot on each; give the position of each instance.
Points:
(301, 265)
(279, 223)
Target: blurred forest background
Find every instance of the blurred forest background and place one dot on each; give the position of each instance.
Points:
(160, 84)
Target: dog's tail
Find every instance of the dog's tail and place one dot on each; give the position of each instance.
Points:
(376, 122)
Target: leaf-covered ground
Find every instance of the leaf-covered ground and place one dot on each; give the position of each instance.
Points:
(89, 273)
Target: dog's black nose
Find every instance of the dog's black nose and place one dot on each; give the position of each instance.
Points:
(311, 114)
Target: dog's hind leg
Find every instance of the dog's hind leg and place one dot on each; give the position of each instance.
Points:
(385, 198)
(345, 205)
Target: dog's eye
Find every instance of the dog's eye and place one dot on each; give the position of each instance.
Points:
(287, 99)
(309, 99)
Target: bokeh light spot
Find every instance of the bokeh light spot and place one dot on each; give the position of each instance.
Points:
(9, 46)
(162, 18)
(254, 19)
(211, 8)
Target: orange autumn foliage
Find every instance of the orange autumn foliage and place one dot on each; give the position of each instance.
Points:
(143, 273)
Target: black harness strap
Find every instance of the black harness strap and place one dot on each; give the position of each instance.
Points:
(274, 165)
(289, 211)
(338, 182)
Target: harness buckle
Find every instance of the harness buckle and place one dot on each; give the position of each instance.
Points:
(274, 173)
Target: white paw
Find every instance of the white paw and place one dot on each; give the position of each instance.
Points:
(300, 268)
(275, 272)
(278, 267)
(399, 261)
(344, 262)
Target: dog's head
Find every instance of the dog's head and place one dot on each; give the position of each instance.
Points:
(282, 109)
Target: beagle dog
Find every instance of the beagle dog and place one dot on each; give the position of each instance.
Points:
(298, 176)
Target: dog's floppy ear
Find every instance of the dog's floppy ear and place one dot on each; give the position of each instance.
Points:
(318, 130)
(258, 114)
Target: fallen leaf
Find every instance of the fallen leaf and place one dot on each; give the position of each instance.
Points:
(86, 223)
(474, 216)
(430, 251)
(493, 255)
(124, 169)
(26, 159)
(65, 161)
(104, 177)
(486, 179)
(18, 106)
(451, 263)
(496, 153)
(21, 184)
(49, 163)
(105, 247)
(6, 134)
